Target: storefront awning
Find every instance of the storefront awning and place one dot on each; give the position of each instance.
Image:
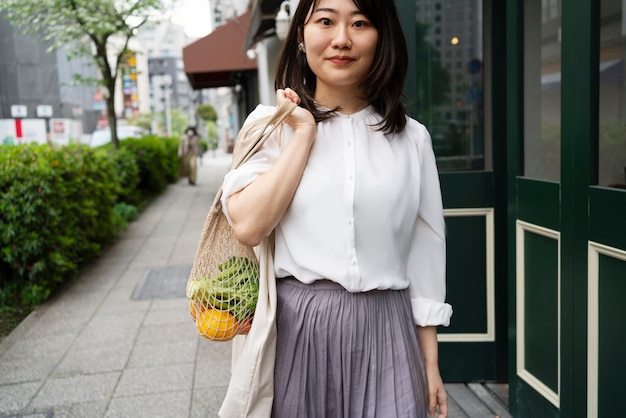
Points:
(219, 59)
(263, 21)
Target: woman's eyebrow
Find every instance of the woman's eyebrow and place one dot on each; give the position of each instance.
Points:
(334, 11)
(324, 9)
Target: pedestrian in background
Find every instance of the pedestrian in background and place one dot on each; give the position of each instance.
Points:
(354, 198)
(188, 152)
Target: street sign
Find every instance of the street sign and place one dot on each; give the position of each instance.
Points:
(58, 127)
(19, 111)
(44, 111)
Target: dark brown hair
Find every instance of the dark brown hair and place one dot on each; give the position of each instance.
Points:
(383, 85)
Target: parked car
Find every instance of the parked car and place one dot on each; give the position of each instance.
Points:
(103, 136)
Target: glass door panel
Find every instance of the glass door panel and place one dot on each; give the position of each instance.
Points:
(542, 89)
(612, 123)
(450, 80)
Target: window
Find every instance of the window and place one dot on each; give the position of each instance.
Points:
(450, 81)
(542, 92)
(612, 109)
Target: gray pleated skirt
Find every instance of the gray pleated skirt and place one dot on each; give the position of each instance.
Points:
(342, 354)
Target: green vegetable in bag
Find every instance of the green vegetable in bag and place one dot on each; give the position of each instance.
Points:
(234, 289)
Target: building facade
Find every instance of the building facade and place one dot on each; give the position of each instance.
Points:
(168, 86)
(31, 77)
(132, 85)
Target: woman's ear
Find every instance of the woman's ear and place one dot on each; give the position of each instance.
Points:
(300, 36)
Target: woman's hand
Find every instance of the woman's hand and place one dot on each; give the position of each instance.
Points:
(300, 118)
(437, 396)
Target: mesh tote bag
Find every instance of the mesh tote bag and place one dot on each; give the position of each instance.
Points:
(223, 287)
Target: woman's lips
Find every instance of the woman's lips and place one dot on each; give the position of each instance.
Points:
(340, 60)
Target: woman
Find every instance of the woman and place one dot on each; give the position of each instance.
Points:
(189, 151)
(353, 196)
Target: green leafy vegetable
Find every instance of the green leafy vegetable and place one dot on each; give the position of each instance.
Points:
(234, 289)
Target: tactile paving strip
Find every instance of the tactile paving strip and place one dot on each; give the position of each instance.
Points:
(163, 283)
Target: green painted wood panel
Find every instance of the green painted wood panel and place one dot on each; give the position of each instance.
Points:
(467, 362)
(498, 75)
(514, 168)
(468, 189)
(541, 308)
(607, 216)
(466, 274)
(538, 202)
(612, 336)
(531, 404)
(579, 106)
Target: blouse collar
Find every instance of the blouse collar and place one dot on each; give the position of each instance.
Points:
(360, 115)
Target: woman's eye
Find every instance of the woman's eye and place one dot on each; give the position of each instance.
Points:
(359, 24)
(325, 21)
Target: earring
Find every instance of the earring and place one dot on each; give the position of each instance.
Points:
(301, 47)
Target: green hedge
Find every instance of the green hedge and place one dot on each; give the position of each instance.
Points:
(157, 160)
(59, 206)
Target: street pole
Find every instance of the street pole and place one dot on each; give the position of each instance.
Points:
(168, 112)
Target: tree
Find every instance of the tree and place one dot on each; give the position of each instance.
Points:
(142, 119)
(180, 121)
(86, 28)
(207, 112)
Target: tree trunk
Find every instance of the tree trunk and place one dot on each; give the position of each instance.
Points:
(108, 79)
(111, 113)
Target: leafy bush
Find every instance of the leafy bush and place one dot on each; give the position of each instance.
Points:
(124, 213)
(59, 206)
(157, 161)
(55, 213)
(128, 176)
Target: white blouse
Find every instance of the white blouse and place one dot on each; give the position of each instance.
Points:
(367, 213)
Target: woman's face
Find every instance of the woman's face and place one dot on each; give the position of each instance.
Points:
(340, 45)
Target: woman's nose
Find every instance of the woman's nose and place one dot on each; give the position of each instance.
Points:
(341, 38)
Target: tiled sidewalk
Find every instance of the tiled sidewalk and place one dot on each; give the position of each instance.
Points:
(93, 351)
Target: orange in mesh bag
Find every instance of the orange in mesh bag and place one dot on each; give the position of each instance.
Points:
(223, 287)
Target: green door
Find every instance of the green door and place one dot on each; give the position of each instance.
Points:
(606, 248)
(450, 86)
(566, 160)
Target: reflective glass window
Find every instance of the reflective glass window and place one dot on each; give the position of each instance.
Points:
(450, 80)
(612, 115)
(542, 89)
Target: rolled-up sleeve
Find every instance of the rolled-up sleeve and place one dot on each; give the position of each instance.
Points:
(427, 257)
(239, 178)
